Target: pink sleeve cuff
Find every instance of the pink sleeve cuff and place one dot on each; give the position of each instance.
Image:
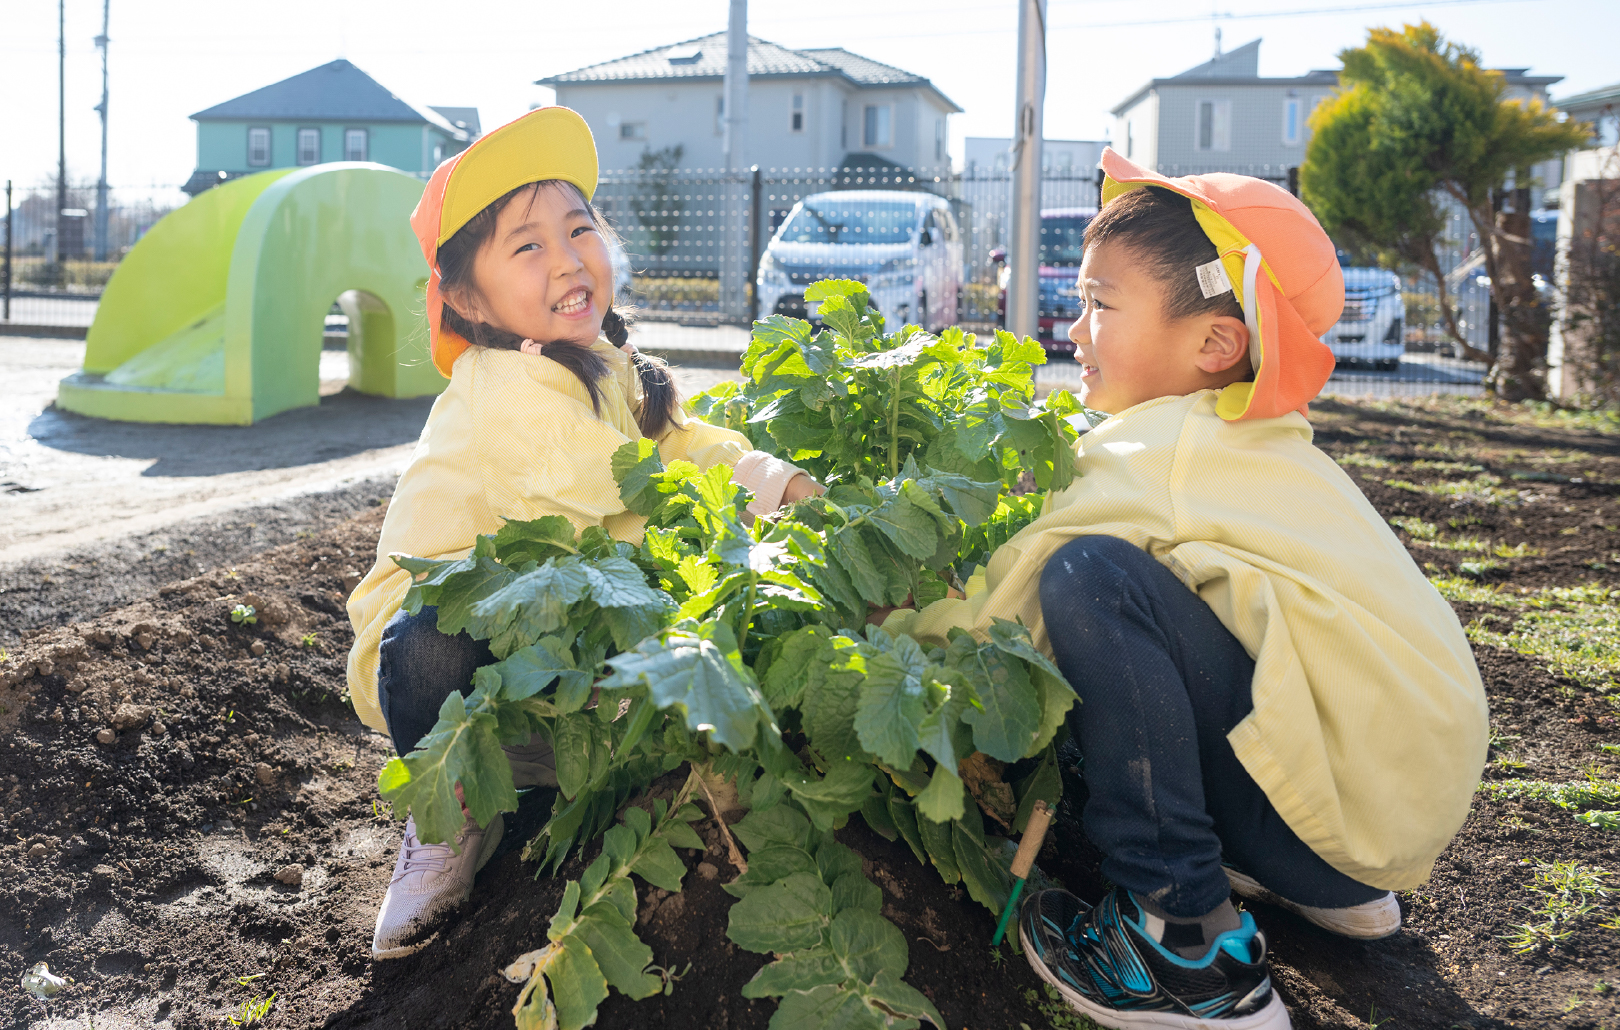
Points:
(767, 477)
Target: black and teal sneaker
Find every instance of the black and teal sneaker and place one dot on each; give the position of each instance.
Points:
(1106, 965)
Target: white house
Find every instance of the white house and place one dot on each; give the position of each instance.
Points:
(989, 157)
(1223, 115)
(819, 108)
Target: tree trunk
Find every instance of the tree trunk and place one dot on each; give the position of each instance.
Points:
(1424, 257)
(1521, 361)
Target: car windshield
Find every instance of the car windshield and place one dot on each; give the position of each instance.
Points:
(851, 221)
(1063, 239)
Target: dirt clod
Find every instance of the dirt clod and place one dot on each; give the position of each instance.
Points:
(257, 648)
(292, 875)
(131, 717)
(37, 852)
(106, 736)
(263, 772)
(707, 870)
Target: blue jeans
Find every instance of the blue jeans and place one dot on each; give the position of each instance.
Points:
(417, 668)
(1161, 684)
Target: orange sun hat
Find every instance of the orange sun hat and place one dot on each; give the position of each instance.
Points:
(1282, 268)
(547, 143)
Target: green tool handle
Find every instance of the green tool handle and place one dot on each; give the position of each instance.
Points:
(1006, 914)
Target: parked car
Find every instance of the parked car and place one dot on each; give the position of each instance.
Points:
(905, 246)
(1372, 329)
(1063, 232)
(619, 259)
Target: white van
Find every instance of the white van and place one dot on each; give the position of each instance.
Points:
(904, 245)
(1372, 329)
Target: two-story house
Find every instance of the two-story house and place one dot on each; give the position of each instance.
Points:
(818, 108)
(335, 112)
(1224, 116)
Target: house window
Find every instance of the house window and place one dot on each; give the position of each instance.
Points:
(633, 130)
(879, 128)
(1291, 122)
(354, 145)
(438, 154)
(939, 139)
(1212, 129)
(309, 146)
(797, 118)
(258, 148)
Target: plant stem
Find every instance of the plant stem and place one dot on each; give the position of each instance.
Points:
(714, 809)
(748, 612)
(894, 426)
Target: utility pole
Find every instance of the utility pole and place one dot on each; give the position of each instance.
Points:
(101, 183)
(1023, 251)
(61, 129)
(735, 142)
(736, 264)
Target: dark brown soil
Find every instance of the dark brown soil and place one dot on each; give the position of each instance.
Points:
(144, 869)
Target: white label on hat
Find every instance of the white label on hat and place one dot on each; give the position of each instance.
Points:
(1212, 279)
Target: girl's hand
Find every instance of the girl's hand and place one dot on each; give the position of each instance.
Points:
(800, 487)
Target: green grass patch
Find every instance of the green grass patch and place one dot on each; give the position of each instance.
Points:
(1415, 527)
(1485, 488)
(1447, 466)
(1357, 459)
(1581, 642)
(1576, 796)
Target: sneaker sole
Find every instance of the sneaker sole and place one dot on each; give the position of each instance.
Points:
(1373, 921)
(1273, 1017)
(492, 840)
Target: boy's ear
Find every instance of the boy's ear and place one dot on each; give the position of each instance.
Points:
(1226, 344)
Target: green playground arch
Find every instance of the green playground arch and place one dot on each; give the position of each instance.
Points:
(217, 315)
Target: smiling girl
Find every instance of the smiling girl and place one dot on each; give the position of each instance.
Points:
(544, 387)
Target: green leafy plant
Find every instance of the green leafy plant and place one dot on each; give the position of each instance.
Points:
(244, 615)
(741, 646)
(591, 940)
(308, 639)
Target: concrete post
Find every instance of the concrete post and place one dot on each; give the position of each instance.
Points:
(1023, 251)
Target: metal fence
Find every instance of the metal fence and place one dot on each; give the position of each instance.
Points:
(708, 248)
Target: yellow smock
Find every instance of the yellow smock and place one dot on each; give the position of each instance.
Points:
(512, 437)
(1369, 726)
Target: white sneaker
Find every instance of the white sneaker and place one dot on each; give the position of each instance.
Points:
(1369, 921)
(429, 880)
(533, 764)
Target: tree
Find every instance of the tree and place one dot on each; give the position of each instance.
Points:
(657, 210)
(1591, 300)
(1417, 121)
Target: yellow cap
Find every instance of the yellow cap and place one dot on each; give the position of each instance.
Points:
(547, 143)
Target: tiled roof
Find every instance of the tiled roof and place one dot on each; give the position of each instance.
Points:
(332, 92)
(705, 58)
(1592, 97)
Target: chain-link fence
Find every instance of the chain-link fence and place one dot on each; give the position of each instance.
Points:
(57, 255)
(713, 248)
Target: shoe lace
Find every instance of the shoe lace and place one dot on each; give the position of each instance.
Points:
(417, 857)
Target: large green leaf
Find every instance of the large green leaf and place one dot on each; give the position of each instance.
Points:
(530, 606)
(891, 703)
(619, 953)
(867, 944)
(986, 880)
(786, 916)
(518, 541)
(463, 747)
(941, 801)
(769, 864)
(779, 826)
(800, 971)
(577, 984)
(936, 840)
(898, 998)
(634, 466)
(529, 670)
(693, 673)
(794, 666)
(1007, 719)
(827, 1008)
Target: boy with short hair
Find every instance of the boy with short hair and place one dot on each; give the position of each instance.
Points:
(1273, 699)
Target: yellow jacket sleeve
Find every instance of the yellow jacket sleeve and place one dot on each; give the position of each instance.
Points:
(1369, 725)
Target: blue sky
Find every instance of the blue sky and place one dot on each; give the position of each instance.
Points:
(173, 57)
